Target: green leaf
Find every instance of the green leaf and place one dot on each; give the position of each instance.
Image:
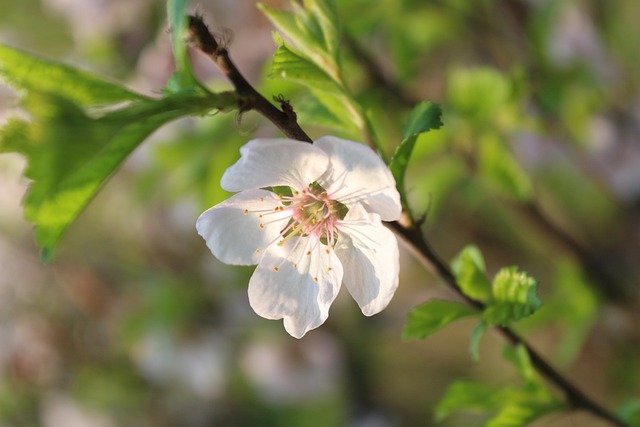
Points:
(306, 30)
(71, 154)
(476, 337)
(514, 297)
(507, 406)
(501, 171)
(469, 270)
(326, 13)
(323, 109)
(288, 64)
(519, 357)
(465, 395)
(183, 79)
(434, 315)
(425, 116)
(29, 72)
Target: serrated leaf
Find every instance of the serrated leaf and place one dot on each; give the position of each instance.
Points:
(514, 297)
(71, 154)
(501, 171)
(290, 65)
(29, 72)
(434, 315)
(424, 117)
(469, 270)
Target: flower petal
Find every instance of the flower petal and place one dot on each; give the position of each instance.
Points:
(272, 162)
(296, 282)
(358, 175)
(236, 237)
(369, 255)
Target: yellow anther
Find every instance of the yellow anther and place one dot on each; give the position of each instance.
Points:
(308, 252)
(275, 269)
(315, 279)
(246, 211)
(295, 265)
(261, 225)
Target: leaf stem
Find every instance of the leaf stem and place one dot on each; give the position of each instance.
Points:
(406, 228)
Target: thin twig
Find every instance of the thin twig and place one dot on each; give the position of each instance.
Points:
(250, 99)
(409, 232)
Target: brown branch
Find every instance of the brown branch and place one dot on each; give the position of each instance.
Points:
(408, 230)
(249, 98)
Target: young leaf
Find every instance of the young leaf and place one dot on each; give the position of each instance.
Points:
(514, 297)
(434, 315)
(288, 64)
(310, 30)
(183, 78)
(28, 72)
(326, 12)
(425, 116)
(71, 154)
(469, 269)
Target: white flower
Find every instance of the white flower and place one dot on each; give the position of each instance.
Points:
(310, 216)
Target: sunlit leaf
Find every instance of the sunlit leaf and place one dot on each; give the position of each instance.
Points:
(434, 315)
(26, 71)
(71, 154)
(290, 65)
(306, 28)
(183, 78)
(469, 270)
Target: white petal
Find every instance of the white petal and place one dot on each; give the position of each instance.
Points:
(358, 174)
(302, 288)
(369, 255)
(237, 238)
(271, 162)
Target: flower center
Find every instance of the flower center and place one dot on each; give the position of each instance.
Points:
(314, 213)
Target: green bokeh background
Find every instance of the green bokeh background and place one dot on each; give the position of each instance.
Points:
(538, 163)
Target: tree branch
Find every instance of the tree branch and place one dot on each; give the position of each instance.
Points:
(407, 229)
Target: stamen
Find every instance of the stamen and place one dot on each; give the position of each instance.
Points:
(275, 269)
(261, 225)
(315, 279)
(246, 211)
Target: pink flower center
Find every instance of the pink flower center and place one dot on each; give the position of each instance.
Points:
(313, 213)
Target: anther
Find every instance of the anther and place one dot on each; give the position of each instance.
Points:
(295, 265)
(261, 225)
(246, 211)
(275, 269)
(329, 268)
(315, 279)
(308, 252)
(261, 199)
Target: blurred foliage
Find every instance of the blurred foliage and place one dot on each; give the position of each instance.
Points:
(135, 323)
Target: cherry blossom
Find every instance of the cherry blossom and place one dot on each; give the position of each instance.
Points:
(310, 216)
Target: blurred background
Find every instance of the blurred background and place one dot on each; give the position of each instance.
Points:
(135, 323)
